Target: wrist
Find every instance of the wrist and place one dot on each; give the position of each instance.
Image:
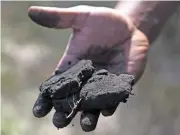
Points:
(148, 16)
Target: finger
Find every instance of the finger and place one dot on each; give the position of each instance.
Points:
(53, 17)
(42, 106)
(88, 120)
(59, 120)
(76, 50)
(108, 112)
(66, 62)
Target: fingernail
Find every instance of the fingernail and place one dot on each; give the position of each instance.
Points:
(38, 111)
(89, 121)
(59, 120)
(42, 107)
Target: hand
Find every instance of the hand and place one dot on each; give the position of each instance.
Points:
(100, 34)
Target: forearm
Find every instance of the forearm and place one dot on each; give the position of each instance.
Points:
(148, 16)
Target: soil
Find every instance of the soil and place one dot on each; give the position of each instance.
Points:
(105, 91)
(100, 92)
(82, 87)
(61, 85)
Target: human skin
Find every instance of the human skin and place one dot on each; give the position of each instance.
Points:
(149, 16)
(112, 38)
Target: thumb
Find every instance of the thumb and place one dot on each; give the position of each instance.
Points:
(52, 17)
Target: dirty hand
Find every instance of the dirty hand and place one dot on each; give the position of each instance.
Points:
(100, 34)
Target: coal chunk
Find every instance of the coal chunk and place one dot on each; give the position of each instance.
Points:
(61, 85)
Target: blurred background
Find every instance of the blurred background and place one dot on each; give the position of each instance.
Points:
(30, 53)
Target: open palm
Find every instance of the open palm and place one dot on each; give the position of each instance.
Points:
(100, 34)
